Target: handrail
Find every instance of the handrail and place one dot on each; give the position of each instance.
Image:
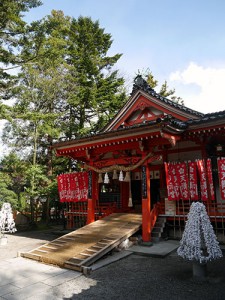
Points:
(104, 210)
(154, 215)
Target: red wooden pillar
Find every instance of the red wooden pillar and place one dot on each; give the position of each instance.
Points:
(146, 203)
(92, 196)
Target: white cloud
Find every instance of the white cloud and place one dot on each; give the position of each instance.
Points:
(209, 96)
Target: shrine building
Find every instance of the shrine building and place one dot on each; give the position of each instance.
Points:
(155, 157)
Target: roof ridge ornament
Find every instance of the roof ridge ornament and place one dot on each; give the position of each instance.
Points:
(140, 82)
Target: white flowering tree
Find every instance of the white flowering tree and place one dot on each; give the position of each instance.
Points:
(7, 224)
(199, 243)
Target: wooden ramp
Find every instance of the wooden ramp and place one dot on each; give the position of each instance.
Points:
(82, 247)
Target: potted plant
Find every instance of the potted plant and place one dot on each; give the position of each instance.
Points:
(7, 224)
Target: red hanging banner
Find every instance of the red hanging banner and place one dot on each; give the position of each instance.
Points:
(73, 187)
(221, 174)
(203, 179)
(193, 186)
(69, 191)
(61, 187)
(76, 186)
(182, 186)
(169, 180)
(177, 181)
(83, 186)
(210, 178)
(182, 176)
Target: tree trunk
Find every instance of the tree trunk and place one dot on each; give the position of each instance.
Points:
(32, 183)
(49, 173)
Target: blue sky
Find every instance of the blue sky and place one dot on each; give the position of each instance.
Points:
(182, 42)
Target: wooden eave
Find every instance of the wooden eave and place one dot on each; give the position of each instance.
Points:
(137, 138)
(210, 128)
(108, 137)
(197, 131)
(207, 125)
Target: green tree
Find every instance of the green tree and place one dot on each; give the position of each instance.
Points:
(26, 180)
(6, 193)
(12, 180)
(67, 91)
(13, 31)
(14, 167)
(36, 109)
(95, 92)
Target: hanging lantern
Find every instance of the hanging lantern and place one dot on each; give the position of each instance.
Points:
(121, 176)
(115, 176)
(100, 180)
(130, 203)
(106, 178)
(127, 177)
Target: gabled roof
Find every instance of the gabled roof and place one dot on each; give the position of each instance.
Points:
(147, 113)
(143, 97)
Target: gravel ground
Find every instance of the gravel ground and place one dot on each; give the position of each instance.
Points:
(140, 277)
(134, 277)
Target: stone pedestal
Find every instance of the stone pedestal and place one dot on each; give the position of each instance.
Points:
(199, 270)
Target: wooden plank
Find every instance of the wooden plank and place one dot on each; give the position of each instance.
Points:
(108, 248)
(84, 246)
(49, 247)
(72, 266)
(91, 250)
(42, 251)
(31, 256)
(76, 260)
(69, 238)
(86, 254)
(56, 244)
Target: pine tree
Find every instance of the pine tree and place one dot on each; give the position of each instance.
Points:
(68, 90)
(6, 190)
(13, 32)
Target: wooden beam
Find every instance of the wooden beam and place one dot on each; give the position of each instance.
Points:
(119, 161)
(92, 196)
(146, 230)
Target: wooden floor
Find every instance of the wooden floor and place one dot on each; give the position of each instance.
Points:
(84, 246)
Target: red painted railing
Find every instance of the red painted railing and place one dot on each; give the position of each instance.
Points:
(104, 210)
(154, 215)
(213, 208)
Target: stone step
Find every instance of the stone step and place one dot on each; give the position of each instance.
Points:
(158, 228)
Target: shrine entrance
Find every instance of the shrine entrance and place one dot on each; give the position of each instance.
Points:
(155, 191)
(149, 138)
(136, 195)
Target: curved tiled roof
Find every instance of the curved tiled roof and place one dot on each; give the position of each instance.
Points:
(210, 117)
(169, 123)
(141, 84)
